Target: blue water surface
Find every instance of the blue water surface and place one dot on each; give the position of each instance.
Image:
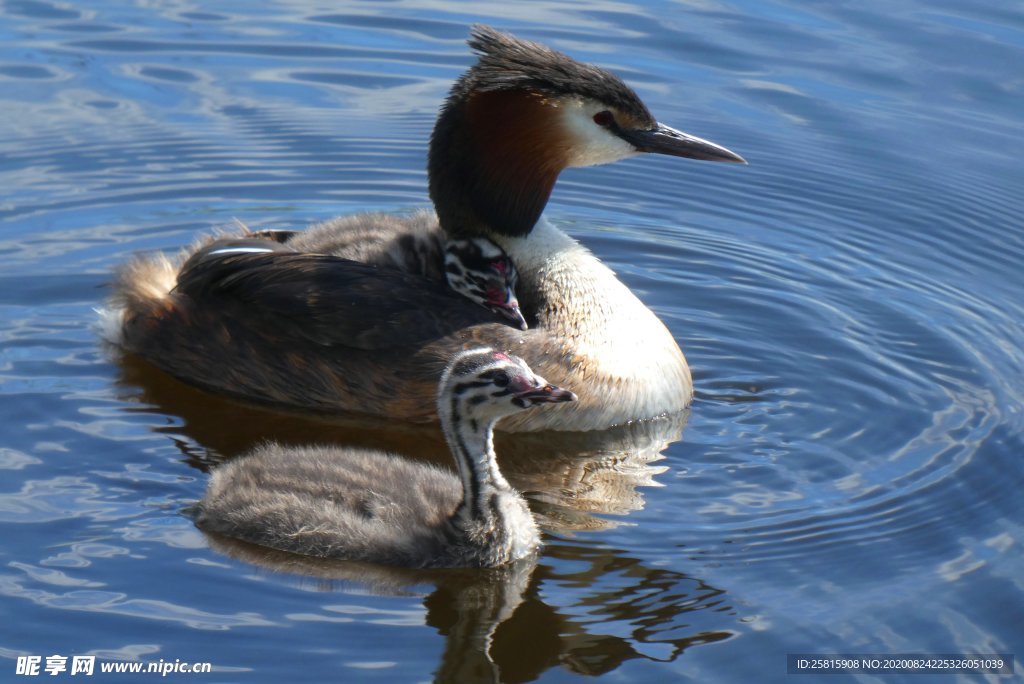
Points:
(848, 480)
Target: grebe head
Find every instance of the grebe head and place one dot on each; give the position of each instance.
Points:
(480, 270)
(521, 115)
(484, 385)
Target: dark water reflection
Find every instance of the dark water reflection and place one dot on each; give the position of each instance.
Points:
(852, 304)
(498, 628)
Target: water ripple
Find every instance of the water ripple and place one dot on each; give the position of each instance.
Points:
(114, 603)
(850, 304)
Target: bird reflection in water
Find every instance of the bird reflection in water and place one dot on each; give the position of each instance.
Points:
(497, 628)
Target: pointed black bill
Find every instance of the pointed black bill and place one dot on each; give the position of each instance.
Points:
(667, 140)
(544, 394)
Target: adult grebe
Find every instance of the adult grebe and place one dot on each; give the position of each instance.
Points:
(312, 331)
(371, 506)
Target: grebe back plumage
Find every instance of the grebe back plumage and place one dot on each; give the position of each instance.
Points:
(474, 267)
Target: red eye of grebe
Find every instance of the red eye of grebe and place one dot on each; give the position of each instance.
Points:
(499, 266)
(604, 118)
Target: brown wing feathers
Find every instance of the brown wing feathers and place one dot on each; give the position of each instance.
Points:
(328, 300)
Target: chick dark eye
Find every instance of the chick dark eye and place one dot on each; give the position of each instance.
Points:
(604, 118)
(501, 379)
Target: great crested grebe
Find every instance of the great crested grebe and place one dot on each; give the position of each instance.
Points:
(366, 505)
(305, 329)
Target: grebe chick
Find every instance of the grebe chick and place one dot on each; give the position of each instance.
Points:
(304, 332)
(480, 270)
(364, 505)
